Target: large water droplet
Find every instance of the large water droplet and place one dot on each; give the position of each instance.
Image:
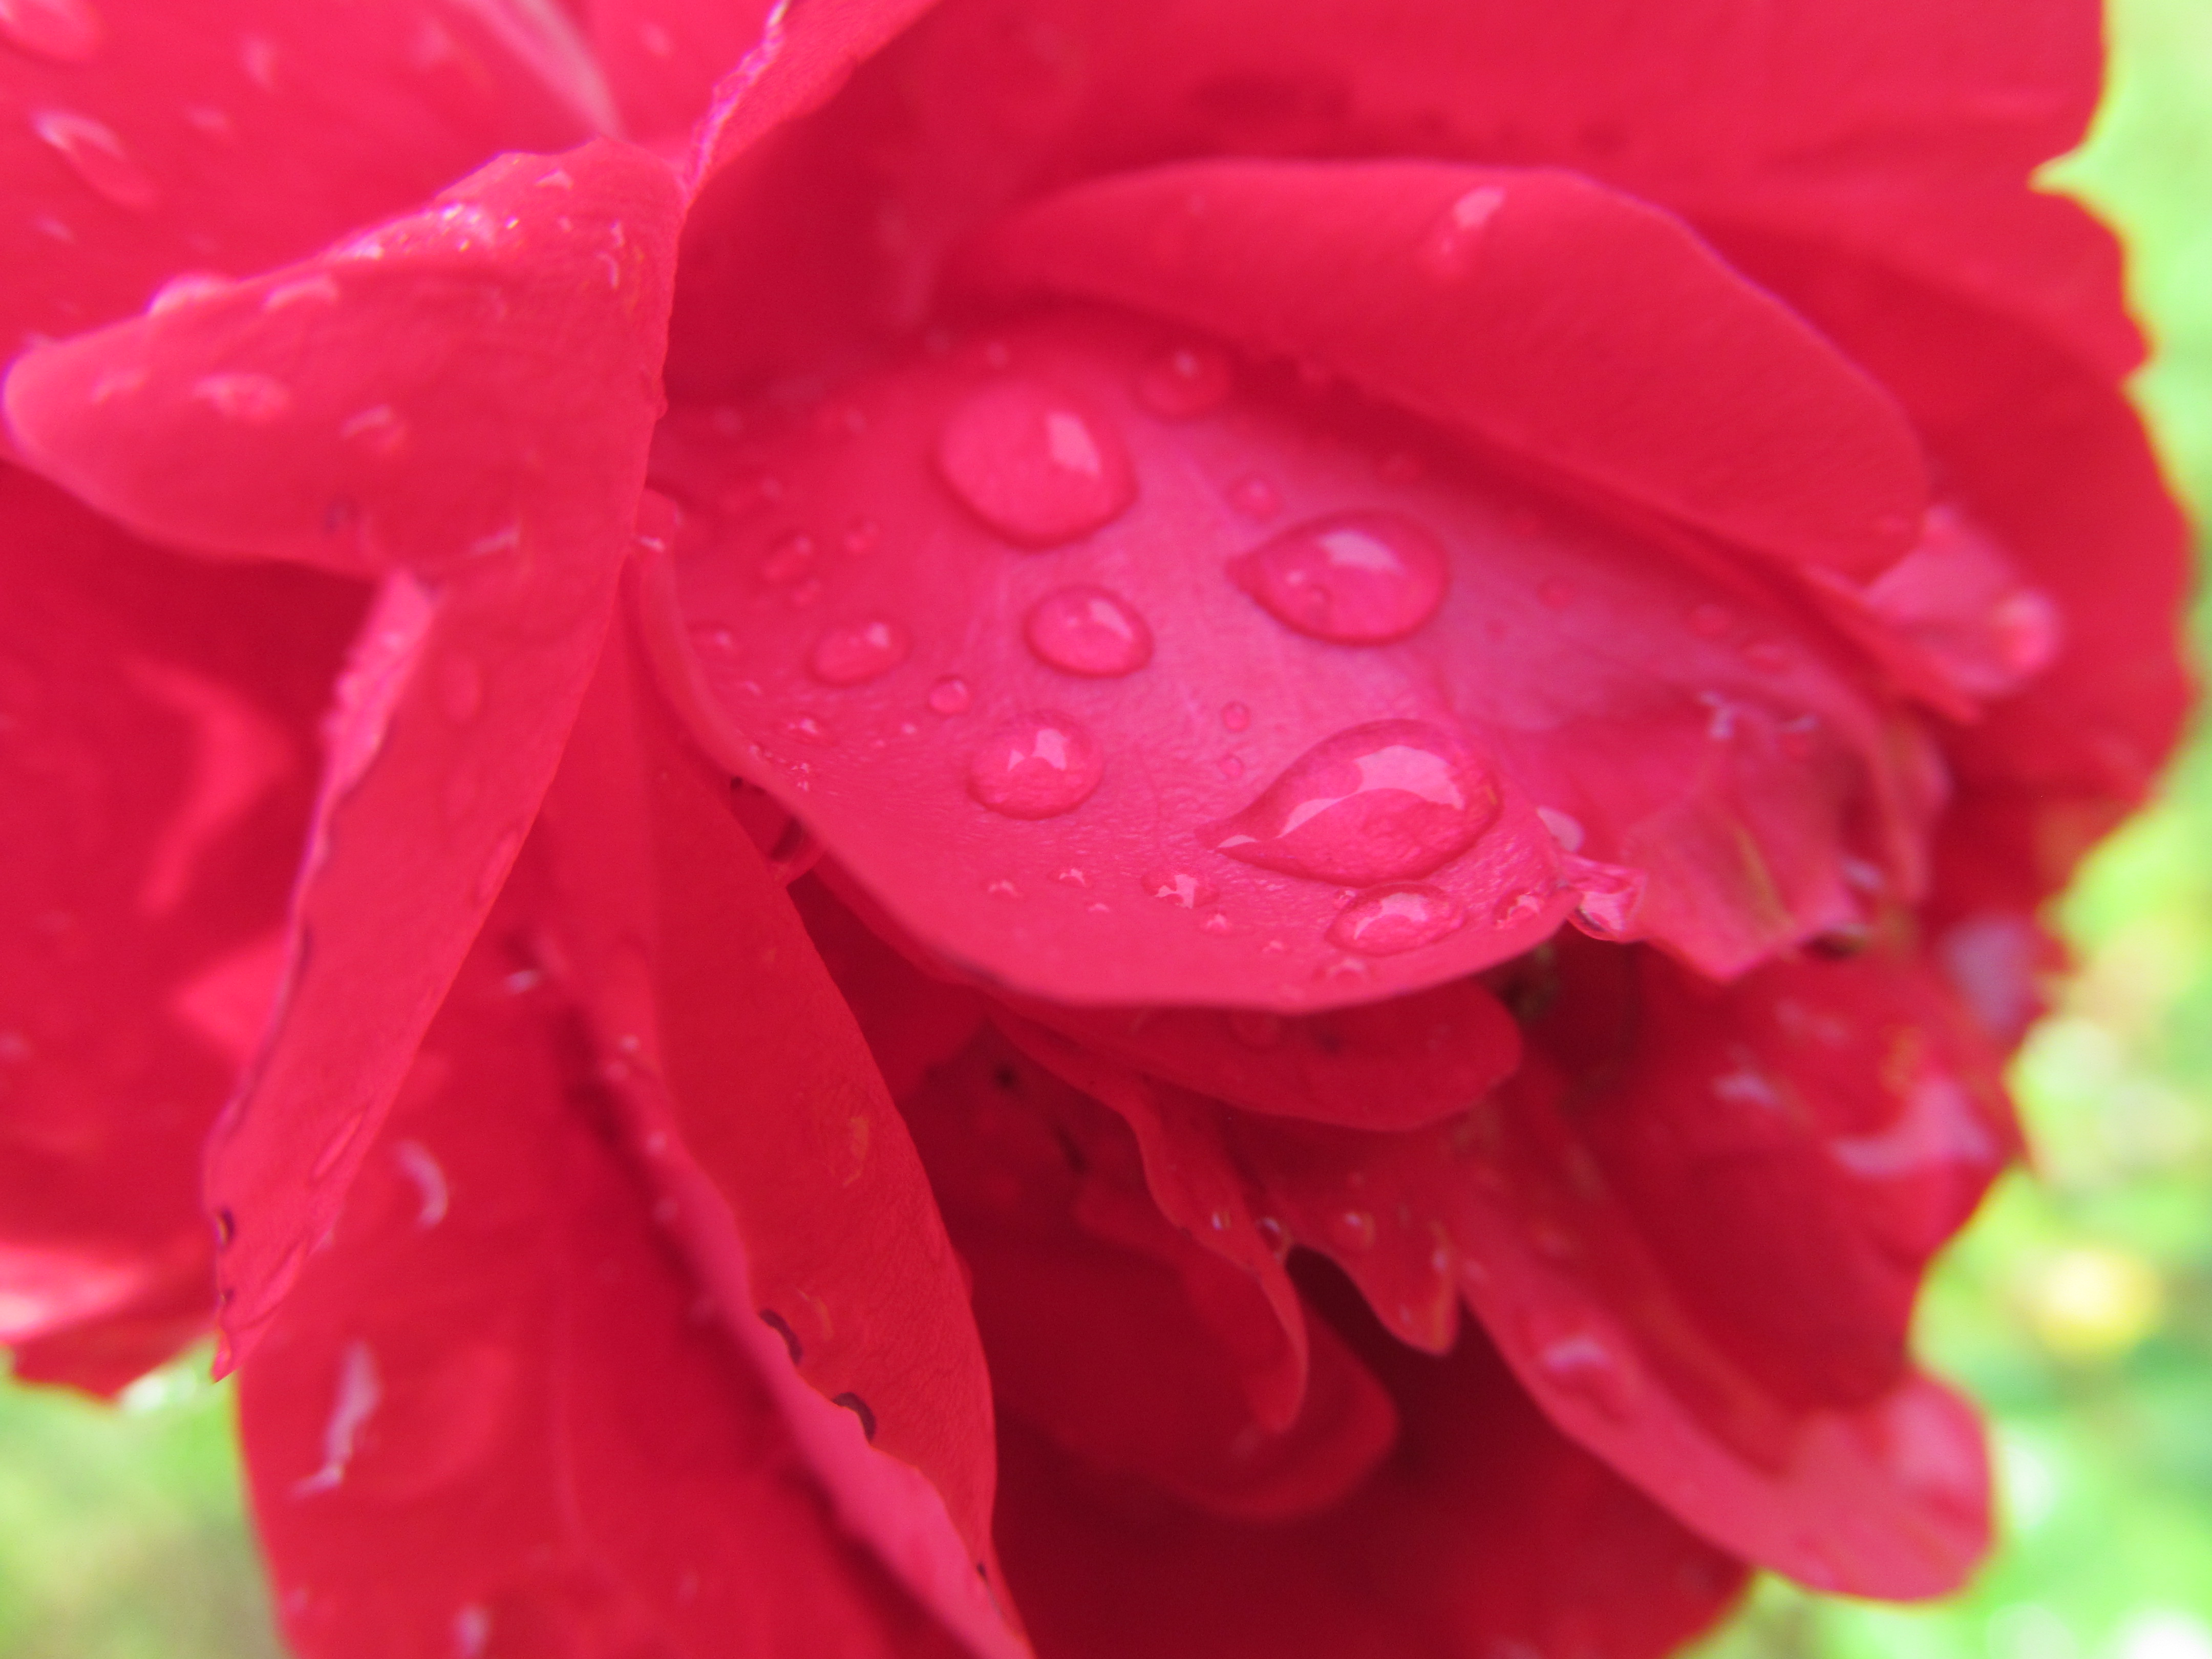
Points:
(1383, 802)
(1037, 767)
(98, 157)
(950, 696)
(1350, 579)
(1185, 382)
(62, 31)
(1087, 630)
(1391, 920)
(1034, 466)
(856, 652)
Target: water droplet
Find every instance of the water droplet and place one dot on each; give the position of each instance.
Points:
(184, 289)
(98, 157)
(1352, 1230)
(1185, 382)
(1351, 579)
(858, 652)
(1611, 895)
(1037, 767)
(1385, 801)
(378, 427)
(1517, 908)
(1033, 466)
(1710, 621)
(1001, 888)
(1582, 1362)
(1273, 1236)
(254, 399)
(1071, 876)
(1087, 630)
(1389, 919)
(1450, 248)
(1232, 767)
(787, 559)
(61, 31)
(1235, 716)
(1565, 828)
(1555, 593)
(950, 696)
(1178, 887)
(1217, 924)
(1256, 498)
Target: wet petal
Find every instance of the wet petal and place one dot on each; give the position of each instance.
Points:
(752, 1095)
(662, 58)
(229, 135)
(1259, 813)
(160, 743)
(1577, 328)
(450, 719)
(500, 1415)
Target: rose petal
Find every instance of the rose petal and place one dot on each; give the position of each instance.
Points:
(1573, 327)
(454, 710)
(431, 393)
(157, 789)
(754, 1099)
(496, 1417)
(1487, 1532)
(229, 135)
(663, 58)
(1553, 683)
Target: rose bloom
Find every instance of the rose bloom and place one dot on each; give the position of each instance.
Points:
(1048, 826)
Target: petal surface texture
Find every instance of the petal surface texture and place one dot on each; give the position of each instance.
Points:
(429, 443)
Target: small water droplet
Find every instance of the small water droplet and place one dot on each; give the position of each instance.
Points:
(1032, 465)
(1555, 593)
(1582, 1362)
(254, 399)
(1352, 1230)
(788, 558)
(810, 730)
(1350, 579)
(1037, 767)
(1178, 887)
(1071, 876)
(98, 157)
(1611, 895)
(60, 31)
(1184, 383)
(1217, 924)
(378, 427)
(1273, 1236)
(1086, 630)
(1565, 828)
(1232, 767)
(1001, 888)
(1450, 248)
(1391, 920)
(1256, 498)
(184, 289)
(1709, 621)
(1235, 716)
(1382, 802)
(855, 652)
(1517, 908)
(950, 696)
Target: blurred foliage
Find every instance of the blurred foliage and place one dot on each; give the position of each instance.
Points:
(2078, 1310)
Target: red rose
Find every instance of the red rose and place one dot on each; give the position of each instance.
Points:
(1279, 674)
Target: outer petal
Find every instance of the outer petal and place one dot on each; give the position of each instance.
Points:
(752, 1094)
(158, 742)
(1573, 327)
(147, 138)
(1485, 1532)
(854, 626)
(453, 712)
(496, 1420)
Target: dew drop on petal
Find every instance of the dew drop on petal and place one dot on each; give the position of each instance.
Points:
(1087, 630)
(853, 653)
(1582, 1362)
(184, 289)
(97, 156)
(787, 559)
(252, 398)
(1403, 917)
(1350, 579)
(1256, 498)
(1032, 465)
(1610, 895)
(1385, 801)
(1235, 716)
(1185, 382)
(951, 696)
(1035, 767)
(1178, 887)
(1352, 1230)
(1564, 827)
(60, 31)
(1450, 248)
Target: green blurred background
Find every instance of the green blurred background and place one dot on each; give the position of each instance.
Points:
(2079, 1308)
